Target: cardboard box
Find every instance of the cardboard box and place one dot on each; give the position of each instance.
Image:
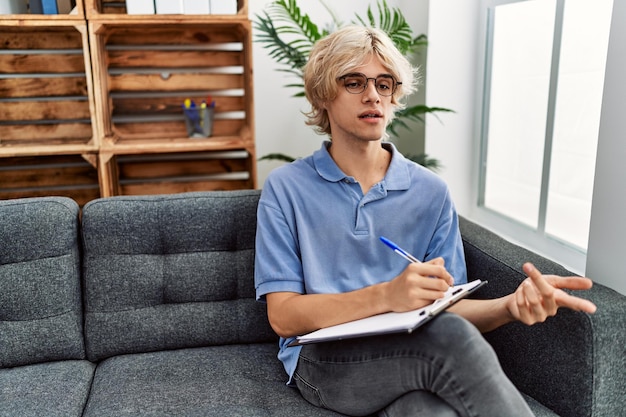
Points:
(169, 6)
(140, 6)
(223, 6)
(197, 6)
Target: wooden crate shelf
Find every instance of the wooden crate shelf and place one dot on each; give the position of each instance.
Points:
(92, 101)
(71, 176)
(106, 9)
(130, 147)
(77, 14)
(146, 70)
(46, 92)
(182, 172)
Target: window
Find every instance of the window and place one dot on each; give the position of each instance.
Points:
(544, 77)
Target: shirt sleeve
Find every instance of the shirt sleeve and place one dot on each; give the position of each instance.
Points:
(278, 267)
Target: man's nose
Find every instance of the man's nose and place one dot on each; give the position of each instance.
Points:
(371, 93)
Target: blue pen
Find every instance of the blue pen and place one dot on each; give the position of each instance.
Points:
(397, 249)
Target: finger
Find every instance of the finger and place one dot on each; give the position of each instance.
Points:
(570, 283)
(437, 261)
(430, 283)
(433, 271)
(545, 288)
(564, 299)
(539, 305)
(538, 279)
(431, 295)
(418, 296)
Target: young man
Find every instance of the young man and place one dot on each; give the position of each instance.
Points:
(319, 261)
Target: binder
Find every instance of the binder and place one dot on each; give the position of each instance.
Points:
(35, 7)
(43, 7)
(49, 7)
(390, 322)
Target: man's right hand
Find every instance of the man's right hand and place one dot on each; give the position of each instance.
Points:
(418, 285)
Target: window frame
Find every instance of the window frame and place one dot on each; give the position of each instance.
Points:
(533, 238)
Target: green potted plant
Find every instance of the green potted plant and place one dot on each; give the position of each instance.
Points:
(289, 35)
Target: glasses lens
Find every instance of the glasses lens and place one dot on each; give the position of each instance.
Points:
(355, 83)
(385, 85)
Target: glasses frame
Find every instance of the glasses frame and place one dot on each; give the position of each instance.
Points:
(367, 80)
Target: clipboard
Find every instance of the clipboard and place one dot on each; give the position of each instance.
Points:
(389, 322)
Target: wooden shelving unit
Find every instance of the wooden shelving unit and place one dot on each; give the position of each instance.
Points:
(48, 132)
(99, 9)
(107, 88)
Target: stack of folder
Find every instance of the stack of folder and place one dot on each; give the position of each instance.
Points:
(51, 6)
(181, 6)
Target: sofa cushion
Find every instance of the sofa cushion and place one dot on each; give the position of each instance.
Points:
(236, 380)
(46, 389)
(574, 362)
(40, 301)
(170, 271)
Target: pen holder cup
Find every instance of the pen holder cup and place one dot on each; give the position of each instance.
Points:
(199, 122)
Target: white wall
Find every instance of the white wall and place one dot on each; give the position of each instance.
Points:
(607, 236)
(279, 123)
(453, 31)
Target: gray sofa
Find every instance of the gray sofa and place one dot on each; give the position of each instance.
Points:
(144, 306)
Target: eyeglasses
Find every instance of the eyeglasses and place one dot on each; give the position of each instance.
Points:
(356, 83)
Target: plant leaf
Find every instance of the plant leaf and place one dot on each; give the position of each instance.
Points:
(279, 50)
(392, 22)
(413, 113)
(277, 157)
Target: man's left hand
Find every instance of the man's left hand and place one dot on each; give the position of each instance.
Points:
(540, 296)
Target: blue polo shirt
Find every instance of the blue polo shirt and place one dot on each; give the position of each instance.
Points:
(318, 233)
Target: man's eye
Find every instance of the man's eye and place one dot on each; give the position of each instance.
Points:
(384, 84)
(353, 83)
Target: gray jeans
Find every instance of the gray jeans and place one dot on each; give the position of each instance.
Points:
(445, 368)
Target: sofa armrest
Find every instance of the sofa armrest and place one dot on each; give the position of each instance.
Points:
(574, 363)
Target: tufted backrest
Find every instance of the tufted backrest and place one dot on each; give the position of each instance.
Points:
(171, 271)
(40, 303)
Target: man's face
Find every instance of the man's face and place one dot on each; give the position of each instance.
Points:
(364, 116)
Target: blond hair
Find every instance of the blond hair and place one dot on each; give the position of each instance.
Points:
(341, 52)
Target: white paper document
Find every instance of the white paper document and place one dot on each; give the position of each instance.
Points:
(390, 322)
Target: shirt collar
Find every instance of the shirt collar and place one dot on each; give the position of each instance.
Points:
(396, 178)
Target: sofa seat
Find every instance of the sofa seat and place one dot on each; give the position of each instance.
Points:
(230, 380)
(144, 306)
(46, 389)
